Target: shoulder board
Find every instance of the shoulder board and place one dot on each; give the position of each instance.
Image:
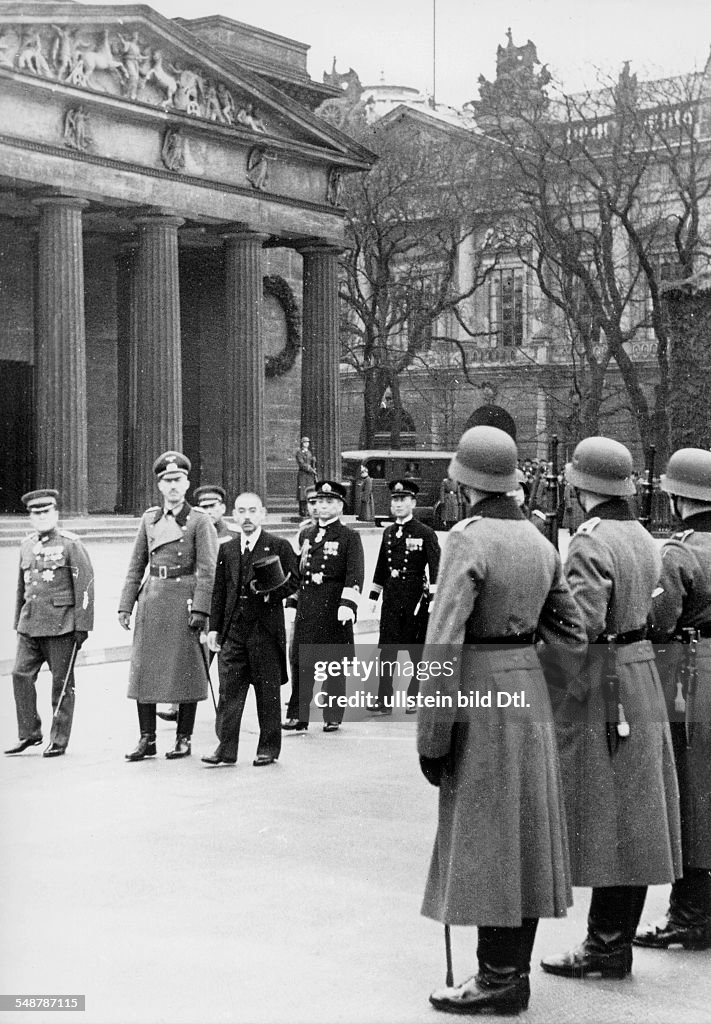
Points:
(681, 535)
(30, 537)
(586, 528)
(68, 534)
(153, 508)
(461, 526)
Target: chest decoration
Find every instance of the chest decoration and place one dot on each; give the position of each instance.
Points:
(398, 554)
(330, 548)
(47, 575)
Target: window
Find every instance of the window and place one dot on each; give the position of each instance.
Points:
(506, 306)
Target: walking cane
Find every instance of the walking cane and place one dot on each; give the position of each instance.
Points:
(205, 662)
(70, 669)
(449, 980)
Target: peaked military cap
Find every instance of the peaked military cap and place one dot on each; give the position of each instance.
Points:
(403, 488)
(171, 462)
(330, 489)
(36, 501)
(311, 494)
(209, 494)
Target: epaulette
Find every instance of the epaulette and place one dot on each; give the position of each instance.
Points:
(586, 528)
(461, 526)
(68, 534)
(681, 535)
(153, 508)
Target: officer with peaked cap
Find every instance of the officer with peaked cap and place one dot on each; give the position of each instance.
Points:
(177, 545)
(500, 861)
(332, 568)
(212, 499)
(406, 576)
(54, 613)
(616, 754)
(680, 620)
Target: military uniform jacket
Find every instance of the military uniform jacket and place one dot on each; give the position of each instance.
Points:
(501, 848)
(166, 661)
(408, 553)
(236, 607)
(332, 567)
(55, 586)
(683, 599)
(622, 806)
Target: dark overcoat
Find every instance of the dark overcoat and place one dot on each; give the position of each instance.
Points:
(406, 575)
(166, 661)
(622, 806)
(267, 609)
(55, 585)
(500, 853)
(366, 504)
(683, 600)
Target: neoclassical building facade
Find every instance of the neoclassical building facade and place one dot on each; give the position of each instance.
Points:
(169, 234)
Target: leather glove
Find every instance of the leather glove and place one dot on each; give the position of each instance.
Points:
(197, 621)
(124, 620)
(433, 768)
(346, 614)
(212, 643)
(80, 636)
(372, 605)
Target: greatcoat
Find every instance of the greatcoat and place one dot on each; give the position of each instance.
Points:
(167, 664)
(683, 600)
(622, 799)
(500, 851)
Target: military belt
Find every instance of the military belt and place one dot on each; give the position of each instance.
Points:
(169, 572)
(514, 640)
(633, 636)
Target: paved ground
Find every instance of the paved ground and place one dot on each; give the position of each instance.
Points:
(170, 891)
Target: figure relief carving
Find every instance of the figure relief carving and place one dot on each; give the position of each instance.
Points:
(31, 58)
(334, 189)
(258, 167)
(62, 52)
(76, 129)
(349, 113)
(134, 64)
(227, 104)
(101, 58)
(173, 150)
(163, 80)
(249, 117)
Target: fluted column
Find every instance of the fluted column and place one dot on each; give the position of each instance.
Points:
(61, 415)
(243, 455)
(320, 392)
(159, 398)
(127, 376)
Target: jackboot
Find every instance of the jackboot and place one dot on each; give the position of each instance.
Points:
(498, 990)
(146, 747)
(688, 920)
(607, 948)
(181, 749)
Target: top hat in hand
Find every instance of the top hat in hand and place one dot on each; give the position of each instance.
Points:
(268, 575)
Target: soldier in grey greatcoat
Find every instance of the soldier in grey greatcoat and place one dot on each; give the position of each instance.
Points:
(54, 614)
(500, 860)
(680, 622)
(622, 799)
(169, 580)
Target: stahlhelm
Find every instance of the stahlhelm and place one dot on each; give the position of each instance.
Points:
(688, 474)
(603, 466)
(486, 458)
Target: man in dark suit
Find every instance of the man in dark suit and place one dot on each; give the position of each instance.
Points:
(406, 576)
(332, 569)
(247, 629)
(53, 616)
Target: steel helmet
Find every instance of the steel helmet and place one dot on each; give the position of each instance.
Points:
(689, 474)
(486, 458)
(603, 466)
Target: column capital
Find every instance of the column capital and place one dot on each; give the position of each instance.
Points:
(316, 247)
(161, 219)
(70, 202)
(242, 233)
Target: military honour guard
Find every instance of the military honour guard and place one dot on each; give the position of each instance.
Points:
(622, 799)
(500, 858)
(406, 578)
(169, 582)
(680, 621)
(54, 614)
(255, 572)
(331, 569)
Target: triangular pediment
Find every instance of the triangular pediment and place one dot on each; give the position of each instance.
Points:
(136, 56)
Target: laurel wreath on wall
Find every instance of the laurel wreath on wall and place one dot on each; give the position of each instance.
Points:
(282, 362)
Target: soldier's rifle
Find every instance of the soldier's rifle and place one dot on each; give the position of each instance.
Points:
(552, 492)
(647, 489)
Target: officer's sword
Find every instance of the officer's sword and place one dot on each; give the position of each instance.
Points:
(70, 669)
(205, 662)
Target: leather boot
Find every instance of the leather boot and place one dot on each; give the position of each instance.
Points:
(181, 749)
(607, 948)
(498, 990)
(688, 920)
(146, 747)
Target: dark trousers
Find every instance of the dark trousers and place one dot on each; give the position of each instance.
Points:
(32, 653)
(507, 948)
(690, 901)
(187, 711)
(254, 661)
(614, 915)
(302, 691)
(388, 655)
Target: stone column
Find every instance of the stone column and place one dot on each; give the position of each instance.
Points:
(127, 376)
(320, 392)
(159, 398)
(61, 415)
(244, 457)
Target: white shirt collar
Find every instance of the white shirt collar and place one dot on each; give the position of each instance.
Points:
(249, 542)
(323, 526)
(401, 522)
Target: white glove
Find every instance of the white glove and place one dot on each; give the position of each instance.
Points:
(346, 614)
(212, 641)
(289, 616)
(372, 605)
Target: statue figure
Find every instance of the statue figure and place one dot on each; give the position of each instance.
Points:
(227, 104)
(190, 90)
(31, 58)
(334, 189)
(76, 129)
(62, 55)
(101, 58)
(173, 150)
(248, 116)
(213, 111)
(134, 63)
(258, 168)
